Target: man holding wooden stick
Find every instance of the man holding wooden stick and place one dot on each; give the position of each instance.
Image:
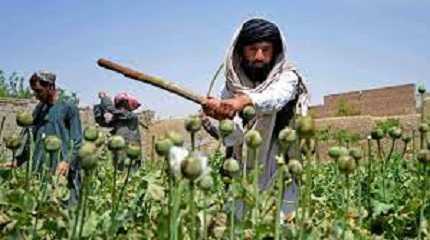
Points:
(259, 73)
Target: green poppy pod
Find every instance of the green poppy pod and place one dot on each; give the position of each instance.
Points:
(133, 150)
(91, 133)
(356, 153)
(305, 126)
(13, 142)
(295, 167)
(286, 137)
(248, 112)
(24, 119)
(423, 156)
(226, 127)
(52, 143)
(163, 146)
(253, 139)
(176, 138)
(231, 166)
(88, 148)
(336, 151)
(395, 132)
(191, 167)
(193, 124)
(116, 143)
(377, 134)
(406, 138)
(87, 156)
(423, 128)
(346, 164)
(206, 182)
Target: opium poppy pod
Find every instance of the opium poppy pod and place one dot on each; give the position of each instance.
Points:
(231, 166)
(295, 167)
(116, 143)
(133, 150)
(87, 158)
(286, 137)
(192, 167)
(52, 143)
(253, 139)
(206, 182)
(176, 138)
(305, 126)
(336, 151)
(193, 124)
(226, 127)
(395, 132)
(377, 134)
(406, 138)
(162, 146)
(248, 112)
(423, 156)
(91, 133)
(346, 164)
(423, 128)
(24, 119)
(13, 142)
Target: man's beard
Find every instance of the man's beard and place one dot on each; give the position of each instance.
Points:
(256, 73)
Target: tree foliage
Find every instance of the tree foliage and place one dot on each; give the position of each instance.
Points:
(344, 108)
(13, 86)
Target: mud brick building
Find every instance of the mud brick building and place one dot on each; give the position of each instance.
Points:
(385, 101)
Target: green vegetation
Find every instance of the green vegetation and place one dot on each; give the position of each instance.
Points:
(362, 193)
(13, 86)
(344, 108)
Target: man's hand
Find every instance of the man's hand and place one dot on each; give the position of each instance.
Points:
(63, 168)
(8, 165)
(108, 117)
(222, 109)
(211, 107)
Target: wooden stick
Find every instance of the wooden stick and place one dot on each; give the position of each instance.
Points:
(155, 81)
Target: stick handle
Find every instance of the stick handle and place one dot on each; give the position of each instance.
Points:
(155, 81)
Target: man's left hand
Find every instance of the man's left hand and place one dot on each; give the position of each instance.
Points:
(63, 168)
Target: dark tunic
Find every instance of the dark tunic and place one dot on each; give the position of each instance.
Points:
(124, 123)
(62, 120)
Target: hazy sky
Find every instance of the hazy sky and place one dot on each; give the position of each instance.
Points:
(338, 45)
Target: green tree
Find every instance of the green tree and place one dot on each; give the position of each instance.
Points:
(346, 109)
(13, 86)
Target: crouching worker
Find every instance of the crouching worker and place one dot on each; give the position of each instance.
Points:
(119, 116)
(53, 117)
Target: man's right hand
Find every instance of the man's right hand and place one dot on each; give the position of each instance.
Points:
(212, 108)
(8, 165)
(108, 116)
